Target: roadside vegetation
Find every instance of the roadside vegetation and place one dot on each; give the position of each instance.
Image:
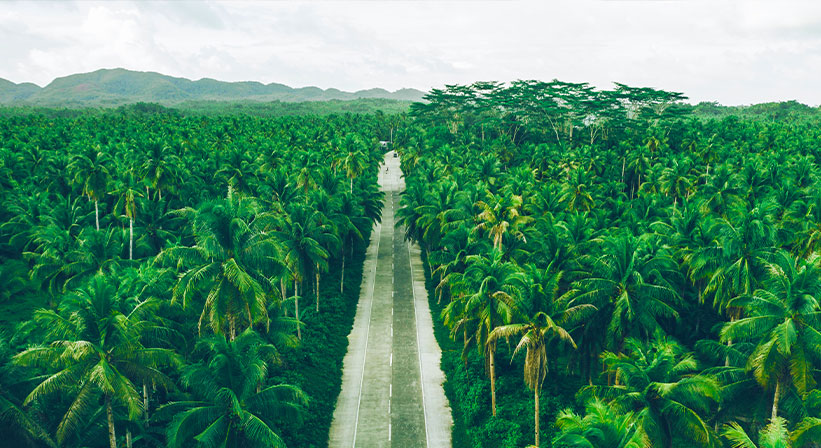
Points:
(605, 267)
(180, 281)
(612, 270)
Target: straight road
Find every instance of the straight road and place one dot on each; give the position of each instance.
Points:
(391, 381)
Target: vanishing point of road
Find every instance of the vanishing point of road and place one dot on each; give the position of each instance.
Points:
(392, 393)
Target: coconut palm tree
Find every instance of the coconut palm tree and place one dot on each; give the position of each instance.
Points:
(91, 169)
(95, 351)
(631, 288)
(808, 431)
(351, 225)
(775, 435)
(438, 212)
(490, 288)
(746, 239)
(722, 191)
(19, 427)
(601, 426)
(127, 191)
(659, 383)
(676, 180)
(782, 319)
(500, 217)
(408, 215)
(576, 192)
(329, 218)
(239, 171)
(231, 403)
(301, 237)
(93, 252)
(160, 166)
(231, 267)
(546, 318)
(354, 164)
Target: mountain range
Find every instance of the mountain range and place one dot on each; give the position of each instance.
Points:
(115, 87)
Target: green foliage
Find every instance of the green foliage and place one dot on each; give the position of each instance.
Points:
(157, 246)
(690, 241)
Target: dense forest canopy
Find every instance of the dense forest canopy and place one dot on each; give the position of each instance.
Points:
(606, 267)
(650, 276)
(172, 280)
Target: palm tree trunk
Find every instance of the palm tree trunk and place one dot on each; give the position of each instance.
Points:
(492, 383)
(727, 358)
(536, 422)
(729, 343)
(145, 402)
(352, 185)
(130, 238)
(232, 327)
(97, 214)
(317, 287)
(296, 310)
(282, 292)
(342, 278)
(128, 438)
(776, 396)
(112, 437)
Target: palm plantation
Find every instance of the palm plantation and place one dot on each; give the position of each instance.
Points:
(95, 351)
(690, 264)
(227, 406)
(142, 256)
(654, 263)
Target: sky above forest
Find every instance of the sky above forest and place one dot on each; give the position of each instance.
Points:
(733, 52)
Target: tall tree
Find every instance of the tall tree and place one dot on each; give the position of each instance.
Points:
(91, 169)
(490, 289)
(232, 404)
(94, 350)
(545, 318)
(631, 288)
(660, 384)
(231, 267)
(782, 319)
(127, 191)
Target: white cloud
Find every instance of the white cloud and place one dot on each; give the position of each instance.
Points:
(735, 52)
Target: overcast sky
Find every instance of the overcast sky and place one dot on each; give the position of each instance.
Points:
(734, 52)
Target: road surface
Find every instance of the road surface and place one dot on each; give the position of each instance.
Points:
(391, 381)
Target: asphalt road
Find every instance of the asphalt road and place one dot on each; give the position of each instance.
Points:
(392, 383)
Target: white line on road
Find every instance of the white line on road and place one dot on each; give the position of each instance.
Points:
(367, 335)
(391, 360)
(419, 351)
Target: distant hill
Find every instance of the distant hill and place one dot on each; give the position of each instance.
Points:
(115, 87)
